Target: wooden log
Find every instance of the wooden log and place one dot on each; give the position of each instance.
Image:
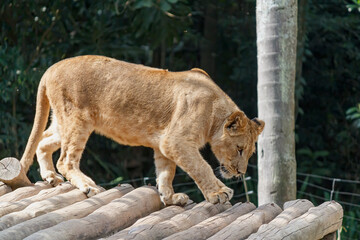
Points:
(39, 208)
(314, 224)
(212, 225)
(113, 217)
(12, 174)
(24, 192)
(8, 207)
(74, 211)
(189, 205)
(249, 223)
(152, 219)
(4, 189)
(292, 210)
(177, 223)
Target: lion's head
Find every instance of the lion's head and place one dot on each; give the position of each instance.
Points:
(236, 143)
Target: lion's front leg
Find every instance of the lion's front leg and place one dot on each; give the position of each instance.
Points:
(212, 188)
(165, 172)
(190, 160)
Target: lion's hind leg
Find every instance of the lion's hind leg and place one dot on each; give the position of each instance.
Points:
(73, 140)
(48, 145)
(165, 172)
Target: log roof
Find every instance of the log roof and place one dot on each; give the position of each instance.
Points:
(64, 212)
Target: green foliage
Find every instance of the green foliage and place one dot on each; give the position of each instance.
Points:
(353, 114)
(354, 5)
(316, 162)
(331, 73)
(151, 19)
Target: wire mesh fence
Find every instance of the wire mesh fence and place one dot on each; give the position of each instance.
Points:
(346, 192)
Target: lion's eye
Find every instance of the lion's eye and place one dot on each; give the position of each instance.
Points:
(240, 150)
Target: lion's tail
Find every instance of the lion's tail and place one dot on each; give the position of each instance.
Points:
(41, 118)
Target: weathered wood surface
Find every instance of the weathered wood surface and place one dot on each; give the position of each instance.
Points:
(292, 210)
(8, 207)
(12, 174)
(113, 217)
(212, 225)
(39, 208)
(42, 212)
(74, 211)
(177, 223)
(24, 192)
(314, 224)
(152, 219)
(249, 223)
(4, 189)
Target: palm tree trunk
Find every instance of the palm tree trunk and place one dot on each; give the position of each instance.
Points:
(276, 24)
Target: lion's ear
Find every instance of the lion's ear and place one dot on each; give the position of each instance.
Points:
(259, 125)
(200, 71)
(236, 123)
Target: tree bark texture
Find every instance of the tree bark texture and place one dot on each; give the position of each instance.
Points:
(177, 223)
(249, 223)
(115, 216)
(24, 192)
(151, 220)
(292, 210)
(12, 174)
(8, 207)
(314, 224)
(276, 24)
(75, 211)
(212, 225)
(39, 208)
(4, 189)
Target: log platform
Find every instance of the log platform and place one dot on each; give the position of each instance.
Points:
(39, 211)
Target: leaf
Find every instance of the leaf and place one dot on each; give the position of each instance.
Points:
(2, 62)
(304, 151)
(172, 1)
(321, 154)
(355, 116)
(351, 110)
(165, 6)
(143, 3)
(116, 180)
(356, 123)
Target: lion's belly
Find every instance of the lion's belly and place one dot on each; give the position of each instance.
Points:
(126, 133)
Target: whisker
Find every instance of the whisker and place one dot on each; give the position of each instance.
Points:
(217, 172)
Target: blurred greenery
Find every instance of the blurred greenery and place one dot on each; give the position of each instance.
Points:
(218, 36)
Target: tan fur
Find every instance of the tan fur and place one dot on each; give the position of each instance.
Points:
(175, 113)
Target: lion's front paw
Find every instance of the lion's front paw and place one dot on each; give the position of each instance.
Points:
(179, 199)
(221, 196)
(91, 190)
(52, 178)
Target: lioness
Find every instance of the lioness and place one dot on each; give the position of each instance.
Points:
(174, 113)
